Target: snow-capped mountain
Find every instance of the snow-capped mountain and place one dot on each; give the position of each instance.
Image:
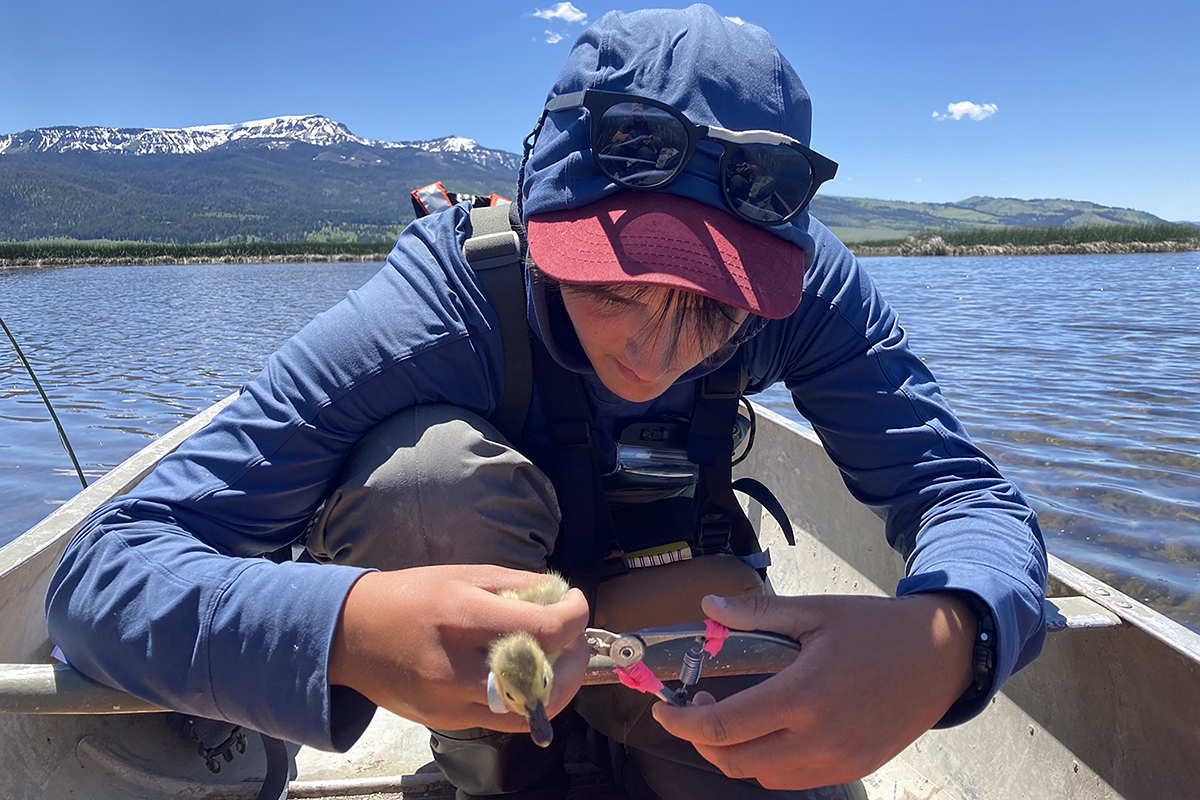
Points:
(276, 132)
(276, 180)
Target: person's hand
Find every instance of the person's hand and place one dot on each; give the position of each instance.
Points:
(415, 642)
(873, 674)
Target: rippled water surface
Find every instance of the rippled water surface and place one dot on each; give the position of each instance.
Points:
(1079, 375)
(127, 353)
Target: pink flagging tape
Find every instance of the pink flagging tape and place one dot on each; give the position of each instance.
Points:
(638, 676)
(715, 635)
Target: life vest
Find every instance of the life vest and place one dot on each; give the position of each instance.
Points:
(432, 198)
(606, 531)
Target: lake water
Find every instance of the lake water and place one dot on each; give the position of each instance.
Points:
(1079, 375)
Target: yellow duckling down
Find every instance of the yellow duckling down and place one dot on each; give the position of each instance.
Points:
(521, 673)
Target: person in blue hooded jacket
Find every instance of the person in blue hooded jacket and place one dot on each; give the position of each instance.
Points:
(664, 201)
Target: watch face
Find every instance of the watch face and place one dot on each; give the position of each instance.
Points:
(985, 649)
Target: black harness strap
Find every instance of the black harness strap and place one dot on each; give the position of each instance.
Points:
(494, 250)
(586, 532)
(770, 503)
(723, 524)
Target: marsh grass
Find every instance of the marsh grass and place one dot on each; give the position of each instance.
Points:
(1027, 237)
(82, 251)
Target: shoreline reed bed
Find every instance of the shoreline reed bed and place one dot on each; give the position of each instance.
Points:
(92, 252)
(1007, 236)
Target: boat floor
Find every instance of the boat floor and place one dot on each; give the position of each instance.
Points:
(139, 756)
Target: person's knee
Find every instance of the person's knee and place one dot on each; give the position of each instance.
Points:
(437, 484)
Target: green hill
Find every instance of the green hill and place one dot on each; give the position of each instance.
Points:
(858, 219)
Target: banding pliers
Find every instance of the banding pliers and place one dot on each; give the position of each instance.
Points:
(626, 651)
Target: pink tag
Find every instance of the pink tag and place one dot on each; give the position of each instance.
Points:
(715, 635)
(638, 676)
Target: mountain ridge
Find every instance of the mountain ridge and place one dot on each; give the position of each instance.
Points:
(313, 129)
(309, 178)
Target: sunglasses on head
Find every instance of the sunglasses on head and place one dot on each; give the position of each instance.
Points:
(638, 143)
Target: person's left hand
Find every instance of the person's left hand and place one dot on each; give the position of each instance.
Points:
(873, 674)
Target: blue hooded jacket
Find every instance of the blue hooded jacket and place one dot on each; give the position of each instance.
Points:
(162, 592)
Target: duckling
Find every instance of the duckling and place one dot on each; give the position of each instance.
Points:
(522, 674)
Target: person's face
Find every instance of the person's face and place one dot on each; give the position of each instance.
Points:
(631, 343)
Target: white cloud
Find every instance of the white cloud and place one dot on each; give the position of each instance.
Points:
(967, 109)
(736, 20)
(565, 11)
(553, 38)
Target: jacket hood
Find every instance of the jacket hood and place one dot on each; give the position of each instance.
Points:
(716, 71)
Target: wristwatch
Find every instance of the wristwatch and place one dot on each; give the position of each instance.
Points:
(983, 653)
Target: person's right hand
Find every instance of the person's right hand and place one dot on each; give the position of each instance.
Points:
(415, 642)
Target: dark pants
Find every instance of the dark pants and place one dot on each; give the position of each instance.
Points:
(407, 494)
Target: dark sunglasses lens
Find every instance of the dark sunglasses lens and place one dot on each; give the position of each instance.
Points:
(639, 146)
(766, 182)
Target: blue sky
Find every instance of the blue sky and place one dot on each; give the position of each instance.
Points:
(1087, 100)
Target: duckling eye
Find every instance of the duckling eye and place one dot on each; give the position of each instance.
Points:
(544, 681)
(510, 697)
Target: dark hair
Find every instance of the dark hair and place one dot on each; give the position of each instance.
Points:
(711, 322)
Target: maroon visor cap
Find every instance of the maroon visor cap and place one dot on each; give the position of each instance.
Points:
(662, 239)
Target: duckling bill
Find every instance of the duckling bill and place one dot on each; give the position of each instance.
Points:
(522, 674)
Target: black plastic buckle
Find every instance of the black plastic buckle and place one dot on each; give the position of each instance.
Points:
(721, 385)
(613, 567)
(715, 533)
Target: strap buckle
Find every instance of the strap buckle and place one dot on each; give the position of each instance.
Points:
(714, 535)
(721, 385)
